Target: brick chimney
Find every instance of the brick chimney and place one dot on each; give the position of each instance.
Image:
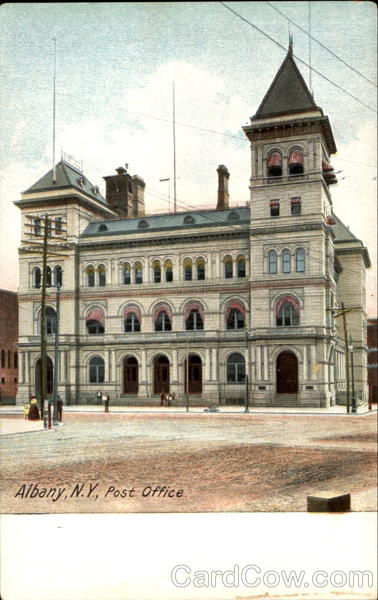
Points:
(125, 194)
(223, 196)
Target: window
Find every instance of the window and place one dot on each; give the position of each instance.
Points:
(15, 360)
(102, 227)
(235, 368)
(58, 275)
(58, 226)
(138, 273)
(272, 261)
(95, 327)
(200, 263)
(37, 227)
(274, 164)
(235, 319)
(101, 276)
(37, 277)
(274, 208)
(228, 270)
(126, 274)
(295, 162)
(300, 260)
(286, 261)
(163, 322)
(95, 322)
(295, 205)
(132, 323)
(48, 277)
(188, 272)
(241, 266)
(50, 320)
(168, 271)
(90, 277)
(157, 271)
(9, 360)
(194, 321)
(3, 359)
(287, 315)
(96, 370)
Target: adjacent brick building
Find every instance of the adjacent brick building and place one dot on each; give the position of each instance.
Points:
(8, 348)
(372, 341)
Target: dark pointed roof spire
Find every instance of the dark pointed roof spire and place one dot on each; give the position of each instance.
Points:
(288, 92)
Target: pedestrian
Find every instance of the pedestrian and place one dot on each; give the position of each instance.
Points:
(162, 399)
(26, 410)
(169, 399)
(33, 414)
(60, 408)
(106, 402)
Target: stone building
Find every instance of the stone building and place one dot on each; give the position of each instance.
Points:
(193, 302)
(372, 342)
(8, 346)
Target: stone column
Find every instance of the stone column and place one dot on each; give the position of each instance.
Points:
(258, 363)
(208, 365)
(174, 366)
(21, 367)
(27, 368)
(214, 364)
(305, 363)
(266, 363)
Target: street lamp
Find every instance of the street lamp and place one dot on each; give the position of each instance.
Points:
(350, 348)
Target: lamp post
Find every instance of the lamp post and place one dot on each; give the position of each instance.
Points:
(350, 348)
(246, 410)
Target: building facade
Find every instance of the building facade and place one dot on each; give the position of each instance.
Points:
(8, 346)
(372, 342)
(208, 303)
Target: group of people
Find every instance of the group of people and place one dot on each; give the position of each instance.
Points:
(31, 410)
(166, 399)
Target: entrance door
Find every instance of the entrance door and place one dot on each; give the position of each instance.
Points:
(287, 373)
(161, 374)
(193, 373)
(130, 375)
(49, 378)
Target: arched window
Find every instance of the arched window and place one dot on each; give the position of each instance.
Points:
(95, 322)
(188, 271)
(90, 277)
(48, 277)
(240, 265)
(300, 260)
(126, 274)
(235, 319)
(50, 320)
(194, 320)
(96, 370)
(235, 368)
(37, 277)
(295, 162)
(168, 270)
(200, 264)
(138, 272)
(58, 275)
(228, 270)
(101, 276)
(274, 164)
(163, 321)
(286, 261)
(157, 271)
(287, 312)
(272, 261)
(132, 322)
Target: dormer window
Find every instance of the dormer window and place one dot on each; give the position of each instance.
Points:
(188, 220)
(103, 227)
(143, 224)
(95, 190)
(274, 164)
(81, 181)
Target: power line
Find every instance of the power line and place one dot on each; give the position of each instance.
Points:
(299, 59)
(320, 44)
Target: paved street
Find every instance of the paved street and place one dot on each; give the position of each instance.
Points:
(169, 462)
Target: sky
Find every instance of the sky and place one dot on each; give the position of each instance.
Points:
(115, 65)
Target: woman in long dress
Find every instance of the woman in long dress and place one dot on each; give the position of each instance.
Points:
(33, 410)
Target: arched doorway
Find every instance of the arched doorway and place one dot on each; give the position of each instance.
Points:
(193, 374)
(161, 374)
(287, 373)
(130, 375)
(49, 378)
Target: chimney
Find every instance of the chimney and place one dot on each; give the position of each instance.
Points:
(125, 194)
(223, 196)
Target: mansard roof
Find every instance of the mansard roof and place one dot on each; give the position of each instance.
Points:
(173, 221)
(66, 176)
(288, 92)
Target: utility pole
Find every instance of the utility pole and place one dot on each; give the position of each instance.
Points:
(43, 363)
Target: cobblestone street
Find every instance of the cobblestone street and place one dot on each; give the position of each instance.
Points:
(188, 462)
